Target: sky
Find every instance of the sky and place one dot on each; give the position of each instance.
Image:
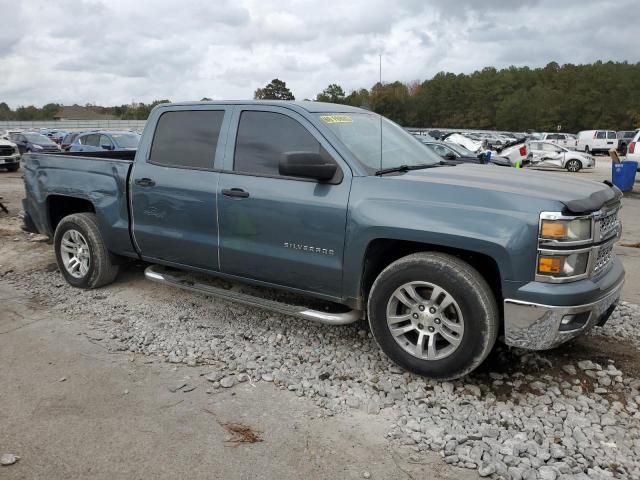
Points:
(117, 51)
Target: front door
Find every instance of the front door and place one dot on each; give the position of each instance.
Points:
(174, 188)
(282, 230)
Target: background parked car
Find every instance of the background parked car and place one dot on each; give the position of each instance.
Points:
(9, 155)
(97, 141)
(547, 154)
(34, 142)
(597, 141)
(633, 150)
(58, 136)
(563, 139)
(68, 139)
(458, 154)
(624, 138)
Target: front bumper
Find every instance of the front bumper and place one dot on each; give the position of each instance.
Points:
(539, 327)
(8, 161)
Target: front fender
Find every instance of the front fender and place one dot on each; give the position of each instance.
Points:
(506, 236)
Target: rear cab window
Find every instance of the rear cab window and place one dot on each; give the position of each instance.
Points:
(186, 139)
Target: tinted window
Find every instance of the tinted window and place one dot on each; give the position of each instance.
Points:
(92, 140)
(265, 137)
(187, 139)
(560, 137)
(601, 135)
(611, 135)
(105, 142)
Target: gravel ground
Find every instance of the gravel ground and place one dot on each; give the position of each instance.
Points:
(551, 415)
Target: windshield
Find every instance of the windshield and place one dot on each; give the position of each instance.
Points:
(360, 133)
(38, 139)
(126, 140)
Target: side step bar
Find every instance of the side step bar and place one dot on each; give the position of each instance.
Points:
(159, 274)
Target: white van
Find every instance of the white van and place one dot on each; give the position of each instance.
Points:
(597, 141)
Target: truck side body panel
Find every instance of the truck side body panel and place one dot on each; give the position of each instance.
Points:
(102, 182)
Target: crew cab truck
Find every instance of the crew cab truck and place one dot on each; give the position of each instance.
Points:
(339, 204)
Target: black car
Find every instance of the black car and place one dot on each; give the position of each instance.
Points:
(454, 153)
(34, 142)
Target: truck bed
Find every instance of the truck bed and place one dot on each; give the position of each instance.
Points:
(97, 178)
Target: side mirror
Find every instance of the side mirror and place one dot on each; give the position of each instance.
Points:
(449, 156)
(307, 165)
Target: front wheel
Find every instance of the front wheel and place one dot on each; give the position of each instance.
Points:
(13, 168)
(574, 165)
(81, 253)
(434, 315)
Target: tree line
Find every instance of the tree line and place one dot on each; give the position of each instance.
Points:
(569, 97)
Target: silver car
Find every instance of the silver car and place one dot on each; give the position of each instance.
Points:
(547, 154)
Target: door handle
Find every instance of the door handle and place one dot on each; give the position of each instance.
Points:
(145, 182)
(235, 192)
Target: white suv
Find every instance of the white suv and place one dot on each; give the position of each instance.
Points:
(633, 149)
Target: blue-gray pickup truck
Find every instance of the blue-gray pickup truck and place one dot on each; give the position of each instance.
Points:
(340, 207)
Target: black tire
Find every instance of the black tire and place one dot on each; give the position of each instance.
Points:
(103, 266)
(13, 168)
(468, 288)
(586, 149)
(574, 165)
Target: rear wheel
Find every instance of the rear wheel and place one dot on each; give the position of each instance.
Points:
(574, 165)
(586, 149)
(82, 256)
(434, 315)
(13, 168)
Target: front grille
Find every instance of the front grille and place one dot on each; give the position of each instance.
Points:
(603, 259)
(608, 224)
(6, 151)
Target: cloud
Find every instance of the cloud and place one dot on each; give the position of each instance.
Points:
(115, 51)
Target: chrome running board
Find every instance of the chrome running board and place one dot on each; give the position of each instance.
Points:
(157, 273)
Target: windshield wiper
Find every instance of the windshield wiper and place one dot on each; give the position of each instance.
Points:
(406, 168)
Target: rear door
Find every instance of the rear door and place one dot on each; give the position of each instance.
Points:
(173, 187)
(281, 230)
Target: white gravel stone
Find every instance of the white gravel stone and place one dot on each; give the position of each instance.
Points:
(534, 425)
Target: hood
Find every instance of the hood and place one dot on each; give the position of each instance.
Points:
(7, 143)
(578, 196)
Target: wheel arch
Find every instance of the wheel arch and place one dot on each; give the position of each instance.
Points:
(60, 206)
(381, 252)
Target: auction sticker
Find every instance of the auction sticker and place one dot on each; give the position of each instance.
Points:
(336, 118)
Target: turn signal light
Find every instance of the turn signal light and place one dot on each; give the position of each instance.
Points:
(550, 265)
(552, 229)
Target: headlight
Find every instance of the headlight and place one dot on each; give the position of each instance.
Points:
(37, 147)
(571, 265)
(577, 230)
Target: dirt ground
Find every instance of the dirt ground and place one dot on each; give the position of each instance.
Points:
(72, 409)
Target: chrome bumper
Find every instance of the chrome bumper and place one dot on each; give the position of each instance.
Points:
(540, 327)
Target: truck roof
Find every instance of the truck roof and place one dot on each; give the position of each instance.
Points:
(309, 106)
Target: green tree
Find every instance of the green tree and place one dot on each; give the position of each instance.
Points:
(333, 94)
(275, 90)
